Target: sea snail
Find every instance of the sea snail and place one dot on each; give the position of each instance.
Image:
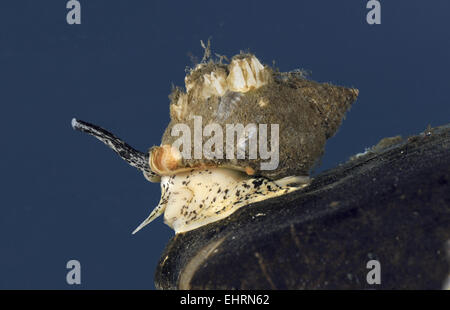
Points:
(200, 185)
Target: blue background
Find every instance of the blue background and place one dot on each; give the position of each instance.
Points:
(66, 196)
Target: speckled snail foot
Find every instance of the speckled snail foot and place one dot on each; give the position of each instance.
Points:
(198, 190)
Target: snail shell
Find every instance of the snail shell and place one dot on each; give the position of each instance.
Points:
(246, 92)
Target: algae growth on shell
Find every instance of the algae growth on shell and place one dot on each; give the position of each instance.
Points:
(200, 190)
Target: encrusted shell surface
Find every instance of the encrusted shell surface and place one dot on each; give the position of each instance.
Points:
(245, 92)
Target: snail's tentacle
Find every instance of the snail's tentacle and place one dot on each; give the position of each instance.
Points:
(161, 207)
(132, 156)
(153, 215)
